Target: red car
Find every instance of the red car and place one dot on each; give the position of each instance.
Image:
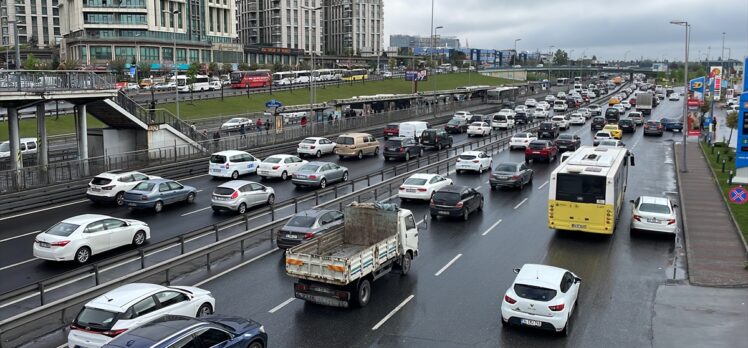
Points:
(391, 130)
(632, 101)
(544, 150)
(120, 85)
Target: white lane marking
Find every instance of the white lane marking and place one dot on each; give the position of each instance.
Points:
(196, 211)
(16, 264)
(43, 209)
(478, 188)
(388, 316)
(491, 228)
(19, 236)
(283, 304)
(447, 265)
(236, 267)
(419, 222)
(541, 186)
(520, 204)
(198, 191)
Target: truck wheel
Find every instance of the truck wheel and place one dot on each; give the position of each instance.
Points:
(405, 264)
(363, 293)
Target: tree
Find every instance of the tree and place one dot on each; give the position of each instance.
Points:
(117, 66)
(731, 122)
(69, 64)
(192, 72)
(30, 63)
(55, 62)
(254, 66)
(226, 68)
(144, 69)
(560, 57)
(243, 66)
(303, 65)
(213, 68)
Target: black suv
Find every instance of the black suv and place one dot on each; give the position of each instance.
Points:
(455, 200)
(402, 148)
(627, 125)
(568, 142)
(520, 118)
(437, 138)
(598, 122)
(548, 130)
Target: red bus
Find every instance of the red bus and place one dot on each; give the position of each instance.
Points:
(250, 79)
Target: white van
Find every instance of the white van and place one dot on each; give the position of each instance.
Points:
(578, 87)
(412, 129)
(232, 163)
(28, 147)
(502, 121)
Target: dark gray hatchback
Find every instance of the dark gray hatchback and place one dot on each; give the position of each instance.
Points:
(307, 225)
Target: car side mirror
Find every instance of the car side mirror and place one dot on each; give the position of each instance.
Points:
(577, 280)
(675, 206)
(264, 189)
(516, 270)
(631, 201)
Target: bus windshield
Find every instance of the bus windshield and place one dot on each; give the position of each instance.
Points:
(580, 188)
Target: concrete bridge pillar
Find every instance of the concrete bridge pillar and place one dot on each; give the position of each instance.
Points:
(82, 133)
(42, 149)
(14, 139)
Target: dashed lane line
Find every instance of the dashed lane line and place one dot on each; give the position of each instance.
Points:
(393, 312)
(491, 228)
(447, 265)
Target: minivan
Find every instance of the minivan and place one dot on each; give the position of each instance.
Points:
(27, 147)
(412, 129)
(357, 144)
(502, 121)
(232, 163)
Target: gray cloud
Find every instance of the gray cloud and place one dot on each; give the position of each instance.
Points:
(597, 27)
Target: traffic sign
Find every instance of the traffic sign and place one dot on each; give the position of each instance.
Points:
(273, 103)
(738, 195)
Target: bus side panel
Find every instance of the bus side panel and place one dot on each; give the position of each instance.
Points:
(584, 217)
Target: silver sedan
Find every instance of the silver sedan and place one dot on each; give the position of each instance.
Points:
(319, 174)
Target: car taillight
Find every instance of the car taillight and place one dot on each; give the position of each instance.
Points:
(313, 177)
(475, 161)
(670, 221)
(227, 165)
(431, 203)
(235, 195)
(422, 190)
(61, 243)
(458, 205)
(646, 126)
(308, 235)
(556, 308)
(509, 300)
(113, 333)
(300, 287)
(637, 218)
(515, 177)
(312, 147)
(276, 167)
(402, 149)
(108, 188)
(402, 188)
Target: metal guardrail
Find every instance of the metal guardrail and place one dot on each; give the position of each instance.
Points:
(157, 116)
(60, 313)
(54, 80)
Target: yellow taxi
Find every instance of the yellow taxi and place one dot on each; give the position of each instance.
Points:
(614, 130)
(613, 101)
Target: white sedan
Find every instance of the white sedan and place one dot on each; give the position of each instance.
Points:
(521, 140)
(600, 136)
(476, 161)
(279, 166)
(543, 105)
(577, 118)
(316, 146)
(479, 128)
(541, 297)
(236, 123)
(422, 186)
(674, 97)
(131, 305)
(79, 237)
(626, 105)
(550, 98)
(531, 103)
(540, 114)
(655, 214)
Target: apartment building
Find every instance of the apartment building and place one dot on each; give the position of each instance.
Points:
(354, 27)
(38, 22)
(294, 24)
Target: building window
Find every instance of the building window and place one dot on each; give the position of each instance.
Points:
(149, 54)
(101, 53)
(82, 54)
(206, 56)
(194, 56)
(125, 53)
(167, 54)
(181, 55)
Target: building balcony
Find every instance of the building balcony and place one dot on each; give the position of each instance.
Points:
(129, 4)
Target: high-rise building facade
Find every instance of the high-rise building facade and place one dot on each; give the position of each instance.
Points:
(98, 31)
(38, 22)
(295, 24)
(354, 27)
(412, 41)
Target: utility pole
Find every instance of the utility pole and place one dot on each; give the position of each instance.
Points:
(312, 97)
(174, 61)
(685, 24)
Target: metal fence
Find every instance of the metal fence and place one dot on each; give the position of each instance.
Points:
(50, 80)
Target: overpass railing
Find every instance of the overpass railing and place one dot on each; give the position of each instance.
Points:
(54, 80)
(157, 116)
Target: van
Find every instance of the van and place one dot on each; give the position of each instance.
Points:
(502, 121)
(232, 164)
(578, 87)
(356, 144)
(412, 129)
(27, 146)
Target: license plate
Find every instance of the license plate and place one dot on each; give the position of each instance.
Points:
(410, 190)
(291, 236)
(578, 226)
(95, 189)
(392, 149)
(546, 133)
(562, 146)
(653, 220)
(44, 244)
(265, 172)
(443, 213)
(536, 152)
(503, 177)
(530, 322)
(215, 170)
(130, 204)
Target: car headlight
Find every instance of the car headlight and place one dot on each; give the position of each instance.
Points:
(262, 328)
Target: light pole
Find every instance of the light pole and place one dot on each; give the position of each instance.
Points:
(515, 57)
(570, 52)
(550, 63)
(685, 24)
(174, 60)
(312, 11)
(137, 53)
(18, 47)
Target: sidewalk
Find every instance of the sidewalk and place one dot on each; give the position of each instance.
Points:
(716, 254)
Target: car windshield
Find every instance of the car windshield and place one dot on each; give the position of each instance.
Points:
(393, 143)
(477, 124)
(453, 121)
(100, 181)
(62, 229)
(309, 168)
(521, 136)
(546, 126)
(565, 137)
(608, 143)
(345, 141)
(415, 181)
(537, 146)
(218, 159)
(5, 147)
(392, 126)
(602, 135)
(144, 186)
(534, 293)
(301, 221)
(447, 197)
(506, 168)
(95, 318)
(654, 208)
(223, 191)
(309, 141)
(467, 157)
(273, 160)
(235, 120)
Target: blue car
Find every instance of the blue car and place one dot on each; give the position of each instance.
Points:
(180, 331)
(672, 124)
(154, 194)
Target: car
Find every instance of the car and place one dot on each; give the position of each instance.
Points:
(521, 140)
(169, 331)
(585, 112)
(157, 193)
(391, 130)
(542, 297)
(577, 119)
(240, 195)
(436, 138)
(672, 124)
(455, 201)
(80, 237)
(595, 110)
(655, 214)
(402, 148)
(476, 161)
(538, 150)
(215, 85)
(232, 164)
(110, 187)
(502, 121)
(236, 123)
(319, 174)
(479, 128)
(548, 130)
(422, 186)
(610, 143)
(561, 95)
(130, 305)
(627, 125)
(626, 105)
(131, 86)
(456, 125)
(600, 136)
(477, 118)
(560, 105)
(540, 114)
(279, 166)
(531, 103)
(521, 118)
(550, 98)
(27, 146)
(511, 174)
(315, 146)
(613, 101)
(636, 117)
(561, 121)
(614, 130)
(306, 225)
(568, 142)
(674, 97)
(413, 129)
(632, 102)
(465, 115)
(620, 108)
(543, 105)
(520, 108)
(654, 127)
(356, 144)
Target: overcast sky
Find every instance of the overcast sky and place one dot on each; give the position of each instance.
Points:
(604, 28)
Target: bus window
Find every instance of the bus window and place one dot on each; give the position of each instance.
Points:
(580, 188)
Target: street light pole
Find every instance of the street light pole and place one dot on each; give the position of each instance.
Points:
(312, 97)
(550, 63)
(174, 55)
(515, 57)
(684, 168)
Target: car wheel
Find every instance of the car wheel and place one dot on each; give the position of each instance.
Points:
(345, 176)
(82, 255)
(567, 328)
(158, 206)
(531, 176)
(235, 175)
(360, 154)
(242, 208)
(480, 206)
(271, 199)
(322, 183)
(480, 169)
(405, 264)
(407, 156)
(527, 160)
(465, 215)
(376, 151)
(318, 154)
(191, 198)
(255, 344)
(138, 239)
(434, 216)
(119, 199)
(363, 293)
(284, 175)
(216, 210)
(205, 310)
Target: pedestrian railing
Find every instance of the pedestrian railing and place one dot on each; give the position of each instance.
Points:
(54, 80)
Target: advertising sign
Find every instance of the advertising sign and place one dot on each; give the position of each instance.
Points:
(741, 160)
(715, 71)
(696, 87)
(717, 87)
(417, 75)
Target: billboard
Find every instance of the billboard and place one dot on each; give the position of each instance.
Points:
(417, 75)
(696, 87)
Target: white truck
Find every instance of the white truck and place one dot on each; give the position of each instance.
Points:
(644, 103)
(338, 268)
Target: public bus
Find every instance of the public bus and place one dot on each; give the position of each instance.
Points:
(355, 74)
(251, 79)
(587, 190)
(501, 94)
(202, 83)
(302, 76)
(283, 78)
(329, 74)
(562, 81)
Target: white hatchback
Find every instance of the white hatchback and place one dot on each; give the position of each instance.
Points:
(232, 164)
(111, 314)
(577, 118)
(315, 146)
(422, 186)
(479, 128)
(542, 297)
(531, 103)
(521, 140)
(465, 115)
(600, 136)
(476, 161)
(280, 166)
(656, 214)
(79, 237)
